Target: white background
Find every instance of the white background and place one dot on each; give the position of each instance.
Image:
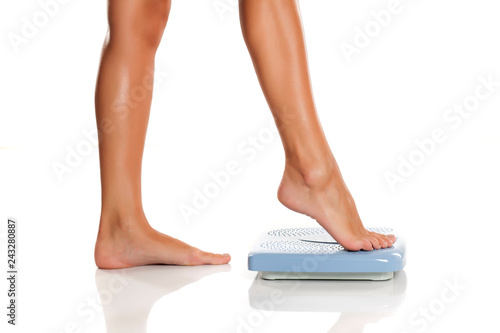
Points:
(393, 92)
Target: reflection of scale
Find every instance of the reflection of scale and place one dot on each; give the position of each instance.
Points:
(359, 302)
(311, 253)
(324, 296)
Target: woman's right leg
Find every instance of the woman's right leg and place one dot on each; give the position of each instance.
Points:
(123, 100)
(312, 183)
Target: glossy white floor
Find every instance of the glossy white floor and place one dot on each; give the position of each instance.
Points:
(205, 112)
(449, 282)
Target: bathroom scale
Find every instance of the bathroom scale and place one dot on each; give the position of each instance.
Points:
(312, 254)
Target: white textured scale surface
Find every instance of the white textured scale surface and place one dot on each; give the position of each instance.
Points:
(309, 240)
(298, 246)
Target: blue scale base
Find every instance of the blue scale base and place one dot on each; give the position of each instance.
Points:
(311, 253)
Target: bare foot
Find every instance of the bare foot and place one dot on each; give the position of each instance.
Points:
(323, 195)
(121, 245)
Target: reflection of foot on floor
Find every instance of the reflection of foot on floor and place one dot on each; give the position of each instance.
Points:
(121, 244)
(127, 295)
(322, 194)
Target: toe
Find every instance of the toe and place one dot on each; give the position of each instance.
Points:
(384, 240)
(208, 258)
(387, 241)
(365, 244)
(357, 245)
(392, 238)
(375, 241)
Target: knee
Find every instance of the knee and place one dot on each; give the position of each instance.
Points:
(152, 22)
(139, 23)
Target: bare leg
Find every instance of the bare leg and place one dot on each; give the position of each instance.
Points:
(125, 238)
(312, 183)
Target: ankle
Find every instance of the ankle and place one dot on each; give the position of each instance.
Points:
(312, 174)
(122, 220)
